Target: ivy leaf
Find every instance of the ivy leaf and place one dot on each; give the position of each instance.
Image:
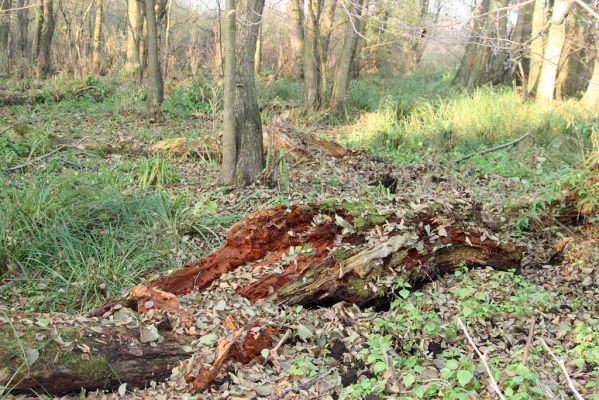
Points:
(404, 293)
(379, 367)
(148, 333)
(408, 380)
(464, 376)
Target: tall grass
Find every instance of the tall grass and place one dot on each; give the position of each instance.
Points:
(68, 241)
(429, 117)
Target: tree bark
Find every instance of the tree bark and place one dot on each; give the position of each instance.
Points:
(45, 39)
(66, 356)
(342, 257)
(258, 55)
(295, 16)
(22, 27)
(248, 125)
(134, 23)
(553, 50)
(155, 86)
(97, 43)
(328, 17)
(344, 66)
(537, 45)
(311, 59)
(591, 95)
(571, 68)
(473, 60)
(167, 35)
(5, 5)
(229, 131)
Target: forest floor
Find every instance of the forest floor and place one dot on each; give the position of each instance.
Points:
(108, 210)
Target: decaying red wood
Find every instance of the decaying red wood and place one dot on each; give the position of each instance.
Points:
(418, 254)
(268, 231)
(256, 336)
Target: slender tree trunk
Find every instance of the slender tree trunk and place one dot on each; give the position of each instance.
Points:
(537, 45)
(22, 27)
(155, 85)
(134, 23)
(295, 15)
(258, 55)
(248, 125)
(326, 27)
(229, 131)
(591, 96)
(474, 54)
(311, 59)
(97, 45)
(38, 22)
(143, 45)
(45, 41)
(344, 66)
(5, 5)
(520, 34)
(553, 50)
(167, 35)
(571, 69)
(356, 62)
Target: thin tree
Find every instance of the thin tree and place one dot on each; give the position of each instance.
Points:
(295, 15)
(134, 23)
(22, 27)
(155, 87)
(5, 6)
(553, 50)
(310, 57)
(537, 45)
(229, 138)
(591, 95)
(347, 57)
(45, 39)
(97, 43)
(249, 152)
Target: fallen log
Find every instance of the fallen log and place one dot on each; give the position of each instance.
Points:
(61, 354)
(343, 252)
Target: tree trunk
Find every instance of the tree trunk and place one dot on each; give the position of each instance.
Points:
(473, 60)
(295, 16)
(553, 50)
(326, 27)
(537, 45)
(22, 27)
(37, 31)
(155, 86)
(520, 34)
(45, 39)
(97, 43)
(571, 68)
(65, 357)
(342, 257)
(344, 66)
(134, 23)
(248, 125)
(258, 55)
(5, 5)
(356, 62)
(591, 96)
(229, 131)
(169, 12)
(311, 59)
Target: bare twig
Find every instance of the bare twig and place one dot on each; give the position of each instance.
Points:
(483, 359)
(35, 160)
(492, 149)
(561, 364)
(8, 128)
(281, 342)
(531, 333)
(304, 386)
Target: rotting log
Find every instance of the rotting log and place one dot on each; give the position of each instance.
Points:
(343, 252)
(63, 354)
